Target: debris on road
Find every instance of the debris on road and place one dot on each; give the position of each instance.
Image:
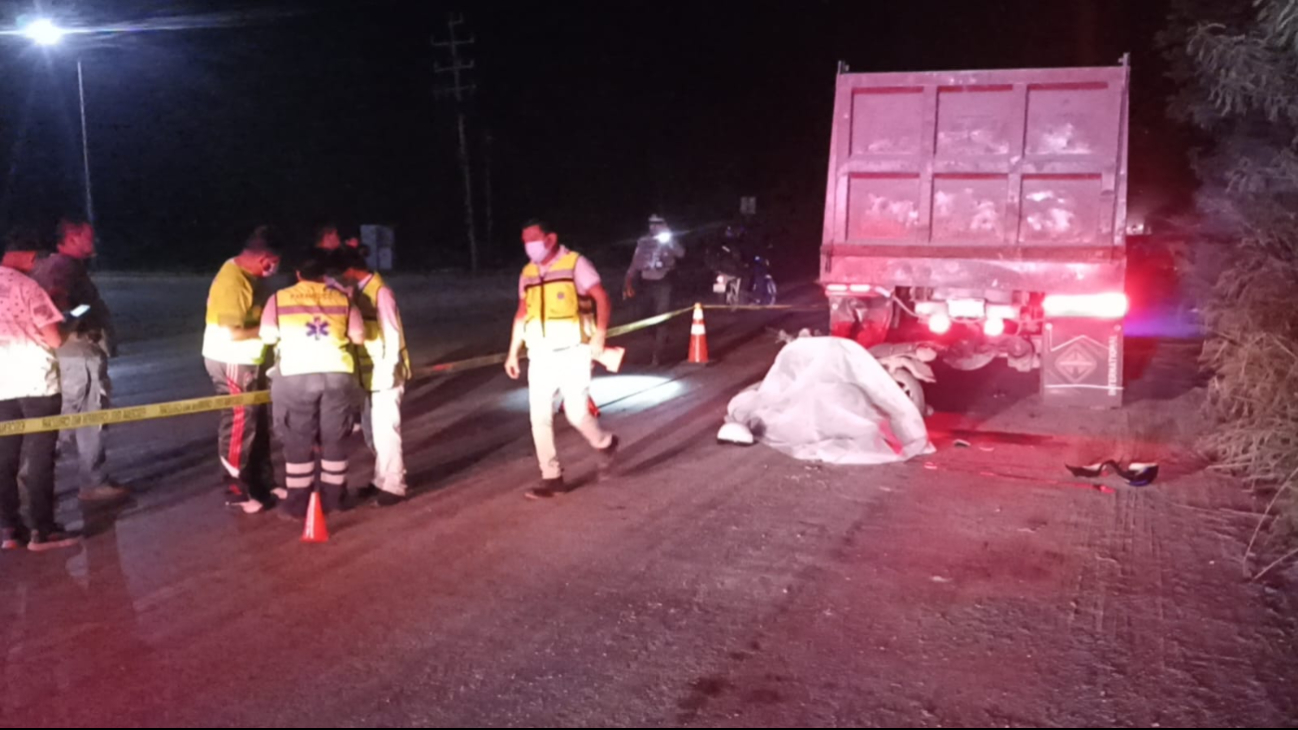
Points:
(736, 433)
(1136, 475)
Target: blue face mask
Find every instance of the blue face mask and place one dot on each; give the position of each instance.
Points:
(537, 250)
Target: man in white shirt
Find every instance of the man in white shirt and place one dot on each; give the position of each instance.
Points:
(29, 388)
(562, 317)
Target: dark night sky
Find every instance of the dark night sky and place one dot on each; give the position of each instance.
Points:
(600, 113)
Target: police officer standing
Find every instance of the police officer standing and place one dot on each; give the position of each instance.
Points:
(651, 274)
(315, 391)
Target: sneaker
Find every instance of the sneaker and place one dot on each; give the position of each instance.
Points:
(105, 493)
(388, 499)
(608, 453)
(549, 489)
(13, 538)
(280, 493)
(54, 539)
(237, 499)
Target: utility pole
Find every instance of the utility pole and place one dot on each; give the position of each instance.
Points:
(460, 89)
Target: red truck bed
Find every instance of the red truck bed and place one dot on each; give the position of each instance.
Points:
(1012, 180)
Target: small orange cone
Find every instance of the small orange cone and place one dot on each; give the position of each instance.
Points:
(698, 338)
(315, 522)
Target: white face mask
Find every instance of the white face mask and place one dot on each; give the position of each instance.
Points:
(537, 250)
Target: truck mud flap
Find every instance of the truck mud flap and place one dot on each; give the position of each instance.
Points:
(1082, 363)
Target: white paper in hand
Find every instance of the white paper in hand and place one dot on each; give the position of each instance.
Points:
(612, 358)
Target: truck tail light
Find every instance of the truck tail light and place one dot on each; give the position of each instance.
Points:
(939, 324)
(1113, 305)
(836, 288)
(994, 327)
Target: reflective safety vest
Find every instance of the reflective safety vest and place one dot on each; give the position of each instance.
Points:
(558, 317)
(312, 322)
(376, 349)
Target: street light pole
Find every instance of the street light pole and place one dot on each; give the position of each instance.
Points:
(45, 33)
(85, 144)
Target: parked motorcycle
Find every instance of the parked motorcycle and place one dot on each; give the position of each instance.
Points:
(742, 276)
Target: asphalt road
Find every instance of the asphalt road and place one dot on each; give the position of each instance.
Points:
(699, 584)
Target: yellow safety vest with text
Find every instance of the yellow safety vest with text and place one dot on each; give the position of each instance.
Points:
(558, 317)
(375, 347)
(312, 322)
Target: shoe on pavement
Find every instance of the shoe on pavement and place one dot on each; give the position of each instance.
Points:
(388, 499)
(238, 500)
(549, 489)
(13, 538)
(55, 539)
(105, 493)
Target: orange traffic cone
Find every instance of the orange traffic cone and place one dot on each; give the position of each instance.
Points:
(698, 338)
(315, 522)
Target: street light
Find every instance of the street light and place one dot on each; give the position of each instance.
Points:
(44, 32)
(47, 34)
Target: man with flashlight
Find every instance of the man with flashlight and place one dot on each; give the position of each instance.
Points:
(651, 274)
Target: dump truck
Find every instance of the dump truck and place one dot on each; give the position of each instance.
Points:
(983, 213)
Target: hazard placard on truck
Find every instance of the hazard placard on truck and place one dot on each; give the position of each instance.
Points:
(984, 211)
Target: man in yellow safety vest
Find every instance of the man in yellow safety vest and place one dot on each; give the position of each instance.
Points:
(563, 314)
(384, 366)
(315, 390)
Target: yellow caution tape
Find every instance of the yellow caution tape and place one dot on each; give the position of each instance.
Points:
(220, 403)
(132, 414)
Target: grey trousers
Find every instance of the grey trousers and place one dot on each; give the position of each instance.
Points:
(83, 370)
(315, 411)
(657, 300)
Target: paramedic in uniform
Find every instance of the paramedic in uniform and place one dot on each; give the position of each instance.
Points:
(384, 367)
(235, 356)
(557, 292)
(315, 391)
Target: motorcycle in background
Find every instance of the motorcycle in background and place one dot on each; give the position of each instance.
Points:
(743, 277)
